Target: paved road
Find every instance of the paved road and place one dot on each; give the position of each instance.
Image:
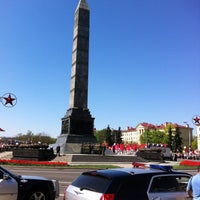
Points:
(65, 176)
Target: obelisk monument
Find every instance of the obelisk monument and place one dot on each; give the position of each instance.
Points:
(78, 124)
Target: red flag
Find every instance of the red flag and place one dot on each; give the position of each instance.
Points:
(1, 129)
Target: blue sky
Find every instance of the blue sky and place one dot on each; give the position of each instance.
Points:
(144, 62)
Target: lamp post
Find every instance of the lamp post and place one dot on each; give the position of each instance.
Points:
(189, 136)
(196, 121)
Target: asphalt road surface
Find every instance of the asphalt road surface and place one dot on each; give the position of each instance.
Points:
(63, 175)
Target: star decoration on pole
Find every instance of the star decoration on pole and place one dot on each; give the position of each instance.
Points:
(9, 100)
(196, 120)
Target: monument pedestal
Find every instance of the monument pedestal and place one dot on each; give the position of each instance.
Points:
(32, 154)
(77, 129)
(72, 144)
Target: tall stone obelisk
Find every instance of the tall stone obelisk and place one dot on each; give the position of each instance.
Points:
(78, 124)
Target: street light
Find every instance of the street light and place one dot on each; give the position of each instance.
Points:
(187, 125)
(196, 122)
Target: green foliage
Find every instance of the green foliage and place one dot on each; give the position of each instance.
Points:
(118, 136)
(194, 143)
(101, 135)
(159, 137)
(144, 137)
(109, 136)
(174, 138)
(109, 140)
(30, 137)
(153, 137)
(177, 141)
(170, 137)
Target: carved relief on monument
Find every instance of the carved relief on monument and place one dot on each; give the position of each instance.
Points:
(65, 126)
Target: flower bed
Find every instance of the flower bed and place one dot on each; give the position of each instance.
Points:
(191, 163)
(30, 162)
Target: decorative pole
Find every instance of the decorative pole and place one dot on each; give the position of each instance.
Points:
(8, 100)
(196, 121)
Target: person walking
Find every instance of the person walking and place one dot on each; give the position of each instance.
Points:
(58, 150)
(193, 186)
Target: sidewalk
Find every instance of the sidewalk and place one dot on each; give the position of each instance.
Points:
(120, 163)
(8, 155)
(124, 164)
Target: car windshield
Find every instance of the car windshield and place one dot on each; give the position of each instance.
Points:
(92, 182)
(9, 172)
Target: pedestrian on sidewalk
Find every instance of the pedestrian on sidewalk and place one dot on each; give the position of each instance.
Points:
(193, 186)
(58, 150)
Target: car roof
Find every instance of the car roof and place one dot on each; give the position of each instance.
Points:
(126, 172)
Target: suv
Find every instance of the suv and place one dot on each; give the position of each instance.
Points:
(157, 182)
(19, 187)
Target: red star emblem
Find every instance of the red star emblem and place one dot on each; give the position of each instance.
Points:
(9, 100)
(196, 120)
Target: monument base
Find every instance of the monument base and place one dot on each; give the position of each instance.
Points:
(150, 154)
(72, 144)
(33, 154)
(94, 158)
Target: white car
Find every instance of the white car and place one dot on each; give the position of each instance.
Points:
(154, 183)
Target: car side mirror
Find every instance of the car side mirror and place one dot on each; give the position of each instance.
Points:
(6, 177)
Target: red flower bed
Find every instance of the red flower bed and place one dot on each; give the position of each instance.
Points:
(30, 162)
(190, 163)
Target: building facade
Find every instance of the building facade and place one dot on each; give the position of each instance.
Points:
(132, 135)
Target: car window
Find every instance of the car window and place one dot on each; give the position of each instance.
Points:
(136, 188)
(1, 174)
(182, 181)
(169, 184)
(92, 182)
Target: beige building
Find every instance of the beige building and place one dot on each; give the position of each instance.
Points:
(132, 135)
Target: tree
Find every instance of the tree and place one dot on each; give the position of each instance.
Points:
(29, 137)
(101, 135)
(109, 140)
(26, 138)
(145, 137)
(159, 137)
(194, 143)
(168, 130)
(118, 137)
(177, 141)
(153, 137)
(44, 138)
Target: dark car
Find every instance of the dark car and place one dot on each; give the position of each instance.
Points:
(20, 187)
(154, 183)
